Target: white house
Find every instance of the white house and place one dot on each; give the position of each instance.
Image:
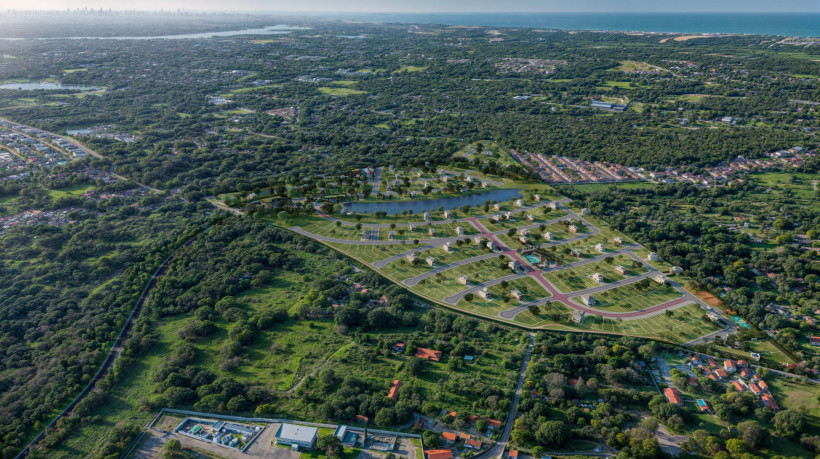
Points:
(462, 279)
(447, 247)
(391, 235)
(497, 207)
(459, 231)
(620, 270)
(427, 216)
(430, 261)
(573, 228)
(675, 270)
(478, 239)
(598, 277)
(515, 266)
(517, 295)
(548, 236)
(553, 205)
(585, 211)
(519, 203)
(653, 257)
(537, 197)
(431, 232)
(600, 248)
(588, 300)
(484, 292)
(523, 231)
(618, 240)
(531, 217)
(411, 257)
(523, 240)
(447, 214)
(659, 279)
(492, 246)
(578, 316)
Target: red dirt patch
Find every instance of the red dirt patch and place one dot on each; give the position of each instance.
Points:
(708, 298)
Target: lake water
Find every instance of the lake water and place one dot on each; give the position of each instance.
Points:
(424, 205)
(786, 24)
(44, 86)
(269, 30)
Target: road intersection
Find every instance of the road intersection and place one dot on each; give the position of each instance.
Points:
(537, 273)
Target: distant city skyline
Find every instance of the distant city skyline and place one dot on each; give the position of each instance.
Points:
(429, 6)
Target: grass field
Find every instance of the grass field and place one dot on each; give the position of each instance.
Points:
(74, 190)
(341, 91)
(580, 278)
(769, 353)
(371, 253)
(631, 298)
(446, 283)
(685, 324)
(531, 289)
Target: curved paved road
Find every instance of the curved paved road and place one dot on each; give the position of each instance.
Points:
(415, 280)
(497, 450)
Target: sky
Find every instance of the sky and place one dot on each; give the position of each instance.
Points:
(429, 6)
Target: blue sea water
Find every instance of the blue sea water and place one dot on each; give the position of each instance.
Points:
(785, 24)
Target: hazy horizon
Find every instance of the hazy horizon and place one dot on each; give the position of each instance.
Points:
(426, 6)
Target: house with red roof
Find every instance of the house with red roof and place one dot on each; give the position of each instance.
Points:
(428, 354)
(673, 396)
(737, 386)
(493, 424)
(394, 390)
(815, 340)
(513, 454)
(729, 366)
(763, 386)
(449, 436)
(768, 400)
(721, 374)
(745, 374)
(755, 389)
(472, 444)
(439, 454)
(362, 419)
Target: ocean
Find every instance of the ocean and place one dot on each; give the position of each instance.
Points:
(785, 24)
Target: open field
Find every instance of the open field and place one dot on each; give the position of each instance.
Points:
(341, 91)
(631, 298)
(580, 278)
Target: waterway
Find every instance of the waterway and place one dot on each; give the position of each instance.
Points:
(269, 30)
(423, 205)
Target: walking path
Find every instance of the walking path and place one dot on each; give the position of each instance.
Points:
(115, 351)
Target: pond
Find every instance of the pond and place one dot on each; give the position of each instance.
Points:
(45, 86)
(423, 205)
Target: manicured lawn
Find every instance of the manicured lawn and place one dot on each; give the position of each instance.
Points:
(74, 190)
(341, 91)
(580, 278)
(685, 324)
(631, 298)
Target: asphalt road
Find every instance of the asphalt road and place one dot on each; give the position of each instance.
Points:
(497, 450)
